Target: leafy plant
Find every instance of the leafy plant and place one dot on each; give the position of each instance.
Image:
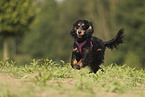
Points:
(63, 78)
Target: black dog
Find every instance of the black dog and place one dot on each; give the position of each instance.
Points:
(87, 49)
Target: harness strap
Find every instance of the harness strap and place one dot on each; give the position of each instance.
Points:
(82, 44)
(91, 45)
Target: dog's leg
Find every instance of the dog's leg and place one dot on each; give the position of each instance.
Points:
(74, 63)
(77, 65)
(97, 60)
(73, 60)
(85, 58)
(95, 68)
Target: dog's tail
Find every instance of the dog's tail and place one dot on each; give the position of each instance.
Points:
(118, 39)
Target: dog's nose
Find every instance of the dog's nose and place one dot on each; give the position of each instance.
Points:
(79, 32)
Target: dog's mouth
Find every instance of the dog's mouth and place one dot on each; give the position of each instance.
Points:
(79, 36)
(80, 33)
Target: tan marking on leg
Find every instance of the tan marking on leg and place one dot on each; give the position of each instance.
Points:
(74, 63)
(99, 50)
(75, 49)
(80, 63)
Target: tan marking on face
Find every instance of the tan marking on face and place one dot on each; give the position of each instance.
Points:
(83, 24)
(81, 34)
(80, 63)
(79, 24)
(83, 31)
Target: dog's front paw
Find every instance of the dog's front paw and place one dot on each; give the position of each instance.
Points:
(77, 65)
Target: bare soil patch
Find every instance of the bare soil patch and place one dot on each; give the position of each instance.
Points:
(19, 88)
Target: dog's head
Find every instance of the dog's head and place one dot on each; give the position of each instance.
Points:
(82, 29)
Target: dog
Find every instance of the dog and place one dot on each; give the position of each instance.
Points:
(89, 50)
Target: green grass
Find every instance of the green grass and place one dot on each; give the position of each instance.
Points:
(46, 77)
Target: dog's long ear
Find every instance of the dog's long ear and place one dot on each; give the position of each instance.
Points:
(73, 32)
(90, 29)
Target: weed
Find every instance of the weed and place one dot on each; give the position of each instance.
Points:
(46, 73)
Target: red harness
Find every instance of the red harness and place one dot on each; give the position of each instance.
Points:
(82, 44)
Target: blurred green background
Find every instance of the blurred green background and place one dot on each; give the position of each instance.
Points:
(41, 28)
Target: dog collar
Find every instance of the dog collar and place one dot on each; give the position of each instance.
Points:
(82, 44)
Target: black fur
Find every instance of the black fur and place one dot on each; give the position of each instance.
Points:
(94, 48)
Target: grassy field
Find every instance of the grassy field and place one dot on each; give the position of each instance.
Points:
(44, 78)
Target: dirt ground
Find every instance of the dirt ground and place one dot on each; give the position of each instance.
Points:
(16, 85)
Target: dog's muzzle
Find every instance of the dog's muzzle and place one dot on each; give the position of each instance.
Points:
(79, 31)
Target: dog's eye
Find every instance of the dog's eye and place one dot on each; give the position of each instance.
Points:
(77, 27)
(83, 25)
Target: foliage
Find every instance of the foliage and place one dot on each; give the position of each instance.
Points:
(43, 39)
(50, 37)
(16, 16)
(130, 15)
(61, 77)
(52, 32)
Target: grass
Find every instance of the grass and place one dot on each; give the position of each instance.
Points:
(45, 77)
